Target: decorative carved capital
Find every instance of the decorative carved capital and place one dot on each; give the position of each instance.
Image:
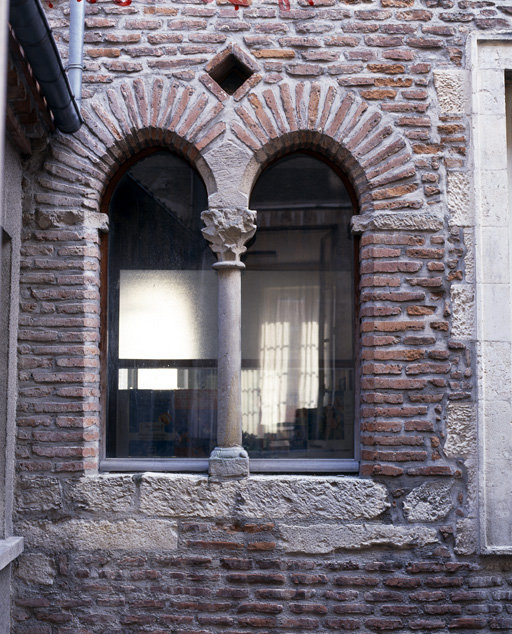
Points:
(228, 230)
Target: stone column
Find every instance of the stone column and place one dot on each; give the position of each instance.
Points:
(228, 230)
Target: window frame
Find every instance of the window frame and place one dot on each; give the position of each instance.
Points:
(200, 465)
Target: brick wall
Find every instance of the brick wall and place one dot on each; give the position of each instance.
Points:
(393, 550)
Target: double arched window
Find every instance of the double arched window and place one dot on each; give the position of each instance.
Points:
(298, 378)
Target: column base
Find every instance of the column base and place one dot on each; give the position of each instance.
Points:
(228, 463)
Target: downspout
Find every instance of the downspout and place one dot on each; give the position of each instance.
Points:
(32, 31)
(75, 65)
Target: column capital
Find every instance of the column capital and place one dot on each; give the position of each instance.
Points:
(227, 230)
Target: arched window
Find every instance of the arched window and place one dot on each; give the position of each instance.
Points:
(298, 378)
(298, 317)
(162, 323)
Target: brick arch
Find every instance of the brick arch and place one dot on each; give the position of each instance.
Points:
(275, 120)
(118, 124)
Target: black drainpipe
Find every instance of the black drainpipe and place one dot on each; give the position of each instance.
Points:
(33, 33)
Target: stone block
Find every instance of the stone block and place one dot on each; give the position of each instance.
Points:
(328, 538)
(495, 312)
(36, 568)
(463, 311)
(494, 256)
(262, 497)
(396, 221)
(226, 468)
(460, 430)
(34, 493)
(429, 502)
(449, 86)
(466, 537)
(459, 198)
(497, 369)
(469, 257)
(493, 198)
(105, 493)
(137, 535)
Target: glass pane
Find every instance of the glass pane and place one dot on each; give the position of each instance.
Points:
(298, 382)
(162, 315)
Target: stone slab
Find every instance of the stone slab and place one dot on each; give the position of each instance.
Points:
(109, 493)
(429, 502)
(262, 497)
(328, 538)
(10, 548)
(396, 221)
(130, 534)
(460, 430)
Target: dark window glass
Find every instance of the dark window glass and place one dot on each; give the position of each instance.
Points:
(298, 380)
(162, 314)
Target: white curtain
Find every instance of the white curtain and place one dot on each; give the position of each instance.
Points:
(287, 379)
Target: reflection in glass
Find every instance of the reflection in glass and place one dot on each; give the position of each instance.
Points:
(162, 339)
(298, 385)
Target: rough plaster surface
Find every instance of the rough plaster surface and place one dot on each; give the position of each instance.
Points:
(36, 568)
(429, 502)
(130, 534)
(460, 430)
(450, 90)
(459, 198)
(261, 497)
(463, 311)
(107, 493)
(328, 538)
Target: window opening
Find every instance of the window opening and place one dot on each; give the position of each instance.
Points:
(230, 73)
(298, 333)
(162, 305)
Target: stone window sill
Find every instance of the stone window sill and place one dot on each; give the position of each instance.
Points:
(10, 548)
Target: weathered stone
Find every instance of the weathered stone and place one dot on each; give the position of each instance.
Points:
(228, 462)
(262, 496)
(406, 221)
(429, 502)
(450, 90)
(107, 493)
(36, 568)
(463, 311)
(328, 538)
(459, 200)
(228, 230)
(35, 493)
(472, 476)
(460, 430)
(469, 257)
(466, 538)
(228, 162)
(131, 534)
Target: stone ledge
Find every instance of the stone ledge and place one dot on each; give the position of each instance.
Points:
(10, 548)
(328, 497)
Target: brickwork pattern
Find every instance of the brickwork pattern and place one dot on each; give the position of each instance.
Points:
(353, 81)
